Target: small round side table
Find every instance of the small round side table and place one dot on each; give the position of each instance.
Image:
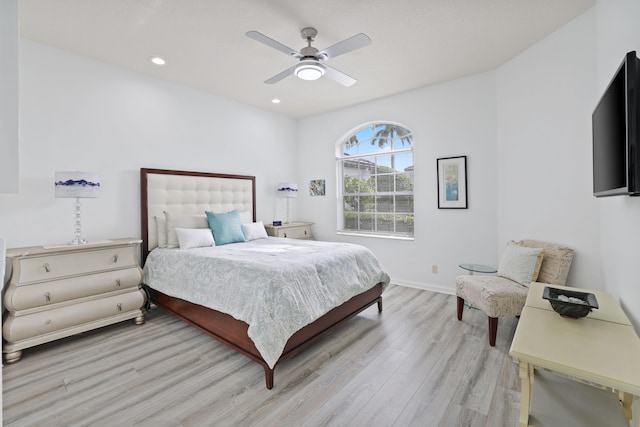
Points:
(477, 268)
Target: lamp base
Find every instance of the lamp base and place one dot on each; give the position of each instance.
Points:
(78, 241)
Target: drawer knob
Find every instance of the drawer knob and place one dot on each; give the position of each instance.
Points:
(115, 258)
(118, 282)
(47, 297)
(119, 307)
(305, 232)
(285, 235)
(47, 267)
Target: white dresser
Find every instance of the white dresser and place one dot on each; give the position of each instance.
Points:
(295, 230)
(58, 291)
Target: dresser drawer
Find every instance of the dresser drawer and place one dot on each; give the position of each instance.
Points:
(24, 297)
(57, 319)
(296, 232)
(50, 267)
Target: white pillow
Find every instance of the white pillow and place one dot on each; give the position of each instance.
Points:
(245, 217)
(182, 221)
(254, 230)
(520, 264)
(161, 224)
(194, 237)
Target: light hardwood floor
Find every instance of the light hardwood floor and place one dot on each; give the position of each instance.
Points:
(414, 364)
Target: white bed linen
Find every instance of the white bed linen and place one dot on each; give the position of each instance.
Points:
(277, 286)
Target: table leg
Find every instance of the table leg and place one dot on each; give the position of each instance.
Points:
(526, 386)
(627, 400)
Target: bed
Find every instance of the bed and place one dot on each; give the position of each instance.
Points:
(247, 326)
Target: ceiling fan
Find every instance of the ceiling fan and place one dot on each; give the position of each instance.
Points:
(311, 65)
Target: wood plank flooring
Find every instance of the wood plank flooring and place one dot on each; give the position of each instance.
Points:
(414, 364)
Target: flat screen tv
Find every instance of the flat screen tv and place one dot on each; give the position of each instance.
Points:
(616, 133)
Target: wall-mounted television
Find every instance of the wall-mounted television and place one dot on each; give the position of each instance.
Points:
(616, 133)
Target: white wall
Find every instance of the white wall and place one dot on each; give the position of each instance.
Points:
(618, 32)
(80, 114)
(9, 121)
(451, 119)
(545, 99)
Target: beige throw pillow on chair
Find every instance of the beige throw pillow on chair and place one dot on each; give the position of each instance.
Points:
(520, 264)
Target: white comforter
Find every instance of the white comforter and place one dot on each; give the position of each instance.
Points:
(277, 286)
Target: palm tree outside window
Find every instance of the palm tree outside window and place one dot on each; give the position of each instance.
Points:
(375, 167)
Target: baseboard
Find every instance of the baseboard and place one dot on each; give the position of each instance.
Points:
(426, 287)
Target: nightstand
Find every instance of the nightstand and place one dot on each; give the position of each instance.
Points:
(295, 230)
(57, 291)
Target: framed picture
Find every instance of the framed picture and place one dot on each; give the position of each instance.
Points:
(452, 182)
(316, 187)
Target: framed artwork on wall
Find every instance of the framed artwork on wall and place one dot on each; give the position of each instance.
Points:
(317, 187)
(452, 182)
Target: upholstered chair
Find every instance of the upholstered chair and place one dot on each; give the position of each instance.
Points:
(504, 294)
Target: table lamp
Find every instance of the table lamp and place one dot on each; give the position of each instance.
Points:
(289, 190)
(77, 185)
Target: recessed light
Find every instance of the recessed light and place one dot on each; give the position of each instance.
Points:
(275, 101)
(157, 60)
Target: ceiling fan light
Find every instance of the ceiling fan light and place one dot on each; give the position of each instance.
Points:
(309, 71)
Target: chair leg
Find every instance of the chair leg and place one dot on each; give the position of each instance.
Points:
(460, 307)
(493, 330)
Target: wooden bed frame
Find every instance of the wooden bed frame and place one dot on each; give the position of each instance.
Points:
(218, 196)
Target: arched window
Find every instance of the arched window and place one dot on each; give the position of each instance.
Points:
(375, 181)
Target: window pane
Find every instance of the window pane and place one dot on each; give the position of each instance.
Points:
(385, 203)
(350, 204)
(404, 182)
(404, 204)
(384, 163)
(367, 167)
(350, 149)
(351, 185)
(351, 221)
(404, 224)
(385, 223)
(385, 183)
(367, 204)
(402, 161)
(366, 222)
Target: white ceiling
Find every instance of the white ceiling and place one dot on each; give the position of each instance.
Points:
(415, 43)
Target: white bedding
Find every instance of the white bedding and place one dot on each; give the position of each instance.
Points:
(277, 286)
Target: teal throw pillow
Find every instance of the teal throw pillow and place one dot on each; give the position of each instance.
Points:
(226, 227)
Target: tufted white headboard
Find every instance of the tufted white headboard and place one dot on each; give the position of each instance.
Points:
(190, 193)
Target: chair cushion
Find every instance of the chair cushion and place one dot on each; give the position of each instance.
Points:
(494, 295)
(556, 262)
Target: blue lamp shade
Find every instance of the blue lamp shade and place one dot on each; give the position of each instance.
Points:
(77, 184)
(287, 189)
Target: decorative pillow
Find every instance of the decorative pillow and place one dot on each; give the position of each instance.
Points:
(226, 227)
(254, 230)
(194, 237)
(161, 224)
(246, 217)
(520, 264)
(557, 261)
(182, 221)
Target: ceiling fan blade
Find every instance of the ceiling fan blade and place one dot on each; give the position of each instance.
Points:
(272, 43)
(346, 45)
(286, 73)
(338, 76)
